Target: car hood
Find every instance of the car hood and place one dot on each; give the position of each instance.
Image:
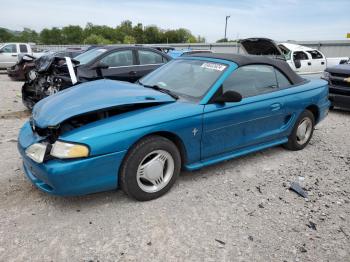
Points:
(261, 46)
(340, 69)
(93, 96)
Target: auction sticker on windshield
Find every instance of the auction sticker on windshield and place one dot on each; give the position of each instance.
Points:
(214, 66)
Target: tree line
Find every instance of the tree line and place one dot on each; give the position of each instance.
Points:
(125, 33)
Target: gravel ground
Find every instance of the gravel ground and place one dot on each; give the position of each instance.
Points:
(239, 210)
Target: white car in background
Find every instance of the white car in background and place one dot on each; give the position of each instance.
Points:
(9, 53)
(305, 60)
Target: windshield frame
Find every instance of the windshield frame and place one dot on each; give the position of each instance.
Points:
(89, 52)
(214, 86)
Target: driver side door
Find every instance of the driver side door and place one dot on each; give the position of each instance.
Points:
(257, 119)
(121, 66)
(302, 62)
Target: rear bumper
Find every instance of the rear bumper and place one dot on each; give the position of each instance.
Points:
(14, 74)
(323, 111)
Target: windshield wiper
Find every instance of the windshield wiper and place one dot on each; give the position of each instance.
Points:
(163, 90)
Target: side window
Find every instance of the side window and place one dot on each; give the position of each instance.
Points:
(9, 49)
(315, 54)
(119, 58)
(149, 57)
(252, 80)
(23, 49)
(282, 81)
(299, 55)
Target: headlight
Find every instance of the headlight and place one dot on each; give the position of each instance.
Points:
(36, 152)
(326, 75)
(62, 149)
(32, 75)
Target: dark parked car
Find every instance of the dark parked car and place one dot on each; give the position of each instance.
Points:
(19, 71)
(26, 63)
(128, 63)
(339, 85)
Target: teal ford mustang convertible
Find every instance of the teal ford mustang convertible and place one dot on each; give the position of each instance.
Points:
(192, 112)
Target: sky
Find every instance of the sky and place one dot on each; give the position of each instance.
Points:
(276, 19)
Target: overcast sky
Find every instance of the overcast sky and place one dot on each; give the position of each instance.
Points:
(279, 20)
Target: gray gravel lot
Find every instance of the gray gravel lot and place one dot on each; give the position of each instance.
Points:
(240, 210)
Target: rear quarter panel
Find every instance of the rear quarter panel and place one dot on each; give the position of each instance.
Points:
(300, 97)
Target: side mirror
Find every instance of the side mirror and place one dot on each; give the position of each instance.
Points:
(297, 63)
(229, 96)
(100, 65)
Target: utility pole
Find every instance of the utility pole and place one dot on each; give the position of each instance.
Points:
(227, 17)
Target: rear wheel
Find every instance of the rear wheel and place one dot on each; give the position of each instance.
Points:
(150, 168)
(302, 131)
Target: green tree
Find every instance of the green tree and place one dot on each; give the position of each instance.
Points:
(128, 39)
(96, 40)
(51, 36)
(101, 34)
(152, 35)
(5, 35)
(222, 40)
(138, 33)
(72, 34)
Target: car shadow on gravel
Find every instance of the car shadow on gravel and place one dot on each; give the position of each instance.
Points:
(340, 112)
(117, 197)
(232, 164)
(17, 114)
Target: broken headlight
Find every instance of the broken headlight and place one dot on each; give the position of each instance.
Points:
(62, 149)
(32, 75)
(36, 152)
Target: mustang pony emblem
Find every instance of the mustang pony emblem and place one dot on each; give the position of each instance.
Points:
(194, 131)
(347, 79)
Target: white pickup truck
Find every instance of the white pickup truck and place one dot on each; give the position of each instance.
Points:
(9, 53)
(305, 60)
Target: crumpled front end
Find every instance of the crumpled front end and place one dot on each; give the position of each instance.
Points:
(68, 176)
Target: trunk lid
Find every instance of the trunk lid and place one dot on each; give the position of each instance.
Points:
(261, 46)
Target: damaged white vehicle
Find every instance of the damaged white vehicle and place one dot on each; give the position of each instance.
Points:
(306, 60)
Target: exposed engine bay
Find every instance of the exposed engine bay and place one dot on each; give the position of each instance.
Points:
(49, 76)
(53, 132)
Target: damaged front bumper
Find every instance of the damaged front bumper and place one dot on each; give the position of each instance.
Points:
(70, 177)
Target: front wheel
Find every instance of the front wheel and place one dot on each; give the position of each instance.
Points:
(302, 131)
(150, 168)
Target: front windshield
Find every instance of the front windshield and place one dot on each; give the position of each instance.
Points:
(86, 57)
(189, 78)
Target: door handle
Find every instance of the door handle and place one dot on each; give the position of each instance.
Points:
(275, 107)
(13, 55)
(132, 73)
(309, 63)
(322, 63)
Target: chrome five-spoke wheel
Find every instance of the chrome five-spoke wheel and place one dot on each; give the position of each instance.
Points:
(150, 168)
(304, 131)
(155, 171)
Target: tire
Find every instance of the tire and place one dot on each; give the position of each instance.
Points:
(154, 158)
(294, 141)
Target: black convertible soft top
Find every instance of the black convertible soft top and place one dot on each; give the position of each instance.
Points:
(242, 60)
